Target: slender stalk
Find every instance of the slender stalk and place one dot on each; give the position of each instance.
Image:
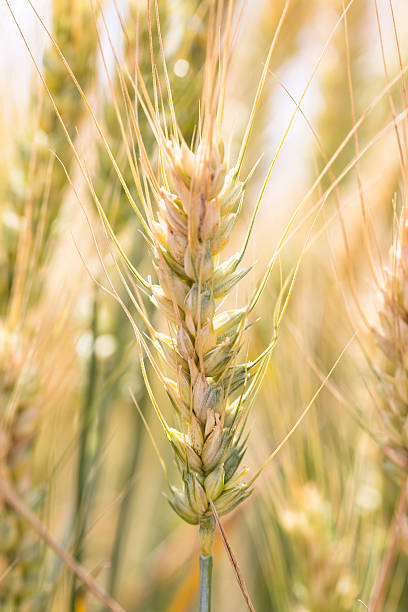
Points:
(207, 529)
(206, 565)
(381, 582)
(83, 465)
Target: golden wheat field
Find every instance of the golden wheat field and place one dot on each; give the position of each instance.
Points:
(204, 305)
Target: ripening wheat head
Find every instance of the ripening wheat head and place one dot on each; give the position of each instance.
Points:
(191, 206)
(196, 218)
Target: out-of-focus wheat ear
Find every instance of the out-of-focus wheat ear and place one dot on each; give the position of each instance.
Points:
(36, 203)
(391, 336)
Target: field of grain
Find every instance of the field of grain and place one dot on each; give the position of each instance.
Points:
(203, 305)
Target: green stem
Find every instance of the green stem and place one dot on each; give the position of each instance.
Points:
(83, 465)
(207, 529)
(206, 564)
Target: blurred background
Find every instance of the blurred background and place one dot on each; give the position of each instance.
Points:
(312, 536)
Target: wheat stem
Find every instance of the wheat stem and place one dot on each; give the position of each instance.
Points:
(84, 464)
(207, 529)
(206, 564)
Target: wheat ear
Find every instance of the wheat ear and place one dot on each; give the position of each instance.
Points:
(34, 205)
